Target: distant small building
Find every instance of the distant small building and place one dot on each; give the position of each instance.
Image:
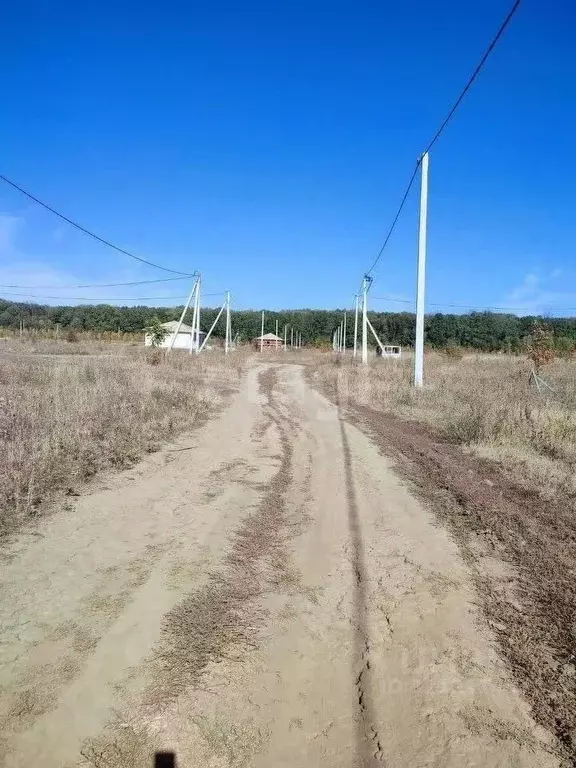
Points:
(182, 340)
(268, 341)
(389, 350)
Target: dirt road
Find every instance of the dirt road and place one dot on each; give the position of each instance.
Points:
(264, 593)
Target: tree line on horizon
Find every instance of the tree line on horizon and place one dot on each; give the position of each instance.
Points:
(486, 331)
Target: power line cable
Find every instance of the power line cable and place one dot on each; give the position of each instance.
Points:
(94, 285)
(87, 231)
(395, 220)
(445, 122)
(471, 306)
(475, 74)
(102, 300)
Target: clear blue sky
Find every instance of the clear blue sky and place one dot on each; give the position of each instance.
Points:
(267, 145)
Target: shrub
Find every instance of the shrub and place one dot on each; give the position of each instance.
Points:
(156, 332)
(453, 351)
(564, 346)
(541, 345)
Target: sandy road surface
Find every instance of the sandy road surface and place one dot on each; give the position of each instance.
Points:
(265, 592)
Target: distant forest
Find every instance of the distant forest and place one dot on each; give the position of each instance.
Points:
(486, 331)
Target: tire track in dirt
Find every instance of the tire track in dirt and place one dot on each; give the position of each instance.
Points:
(219, 623)
(221, 619)
(368, 738)
(85, 599)
(528, 597)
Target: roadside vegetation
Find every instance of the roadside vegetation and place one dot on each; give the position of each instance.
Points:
(487, 403)
(70, 410)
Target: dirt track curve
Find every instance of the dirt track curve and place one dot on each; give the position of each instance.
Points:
(266, 592)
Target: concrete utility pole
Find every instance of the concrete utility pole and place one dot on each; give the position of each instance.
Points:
(262, 333)
(365, 285)
(195, 337)
(181, 320)
(228, 337)
(355, 326)
(276, 333)
(344, 335)
(291, 337)
(285, 335)
(421, 283)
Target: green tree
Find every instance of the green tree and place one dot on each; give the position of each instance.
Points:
(156, 332)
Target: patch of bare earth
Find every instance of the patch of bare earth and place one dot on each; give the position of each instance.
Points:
(522, 550)
(220, 620)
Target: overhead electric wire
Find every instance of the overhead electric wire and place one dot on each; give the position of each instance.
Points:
(94, 285)
(395, 220)
(87, 231)
(444, 123)
(98, 299)
(471, 306)
(475, 74)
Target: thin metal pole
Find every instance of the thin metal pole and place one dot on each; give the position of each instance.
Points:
(181, 320)
(421, 283)
(355, 326)
(262, 334)
(227, 337)
(365, 284)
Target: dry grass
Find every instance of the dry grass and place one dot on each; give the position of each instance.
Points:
(68, 411)
(484, 402)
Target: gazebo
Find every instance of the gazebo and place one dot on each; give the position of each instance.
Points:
(268, 341)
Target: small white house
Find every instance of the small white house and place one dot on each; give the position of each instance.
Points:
(183, 339)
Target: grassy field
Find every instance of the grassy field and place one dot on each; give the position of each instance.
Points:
(483, 402)
(68, 411)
